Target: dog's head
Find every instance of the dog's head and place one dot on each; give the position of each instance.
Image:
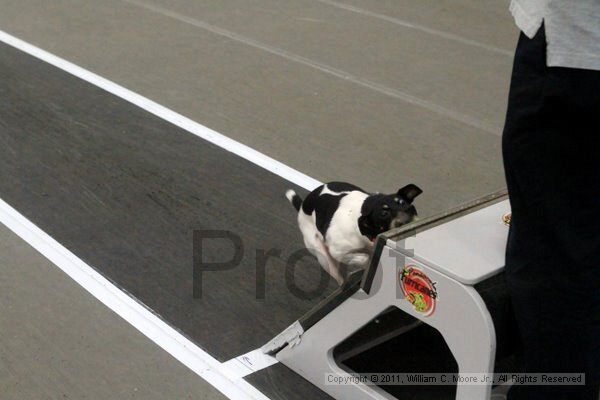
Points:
(382, 212)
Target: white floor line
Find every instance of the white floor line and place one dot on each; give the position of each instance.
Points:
(177, 119)
(248, 363)
(357, 80)
(407, 24)
(215, 373)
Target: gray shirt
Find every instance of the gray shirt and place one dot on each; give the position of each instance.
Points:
(572, 29)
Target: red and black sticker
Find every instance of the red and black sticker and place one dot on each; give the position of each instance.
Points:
(418, 289)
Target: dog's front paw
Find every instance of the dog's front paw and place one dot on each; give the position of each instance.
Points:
(359, 260)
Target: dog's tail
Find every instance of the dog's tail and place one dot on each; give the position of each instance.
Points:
(294, 199)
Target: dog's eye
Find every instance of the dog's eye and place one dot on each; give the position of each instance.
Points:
(384, 213)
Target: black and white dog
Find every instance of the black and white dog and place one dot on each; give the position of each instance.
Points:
(340, 221)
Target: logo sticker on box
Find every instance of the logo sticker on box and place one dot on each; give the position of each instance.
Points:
(418, 289)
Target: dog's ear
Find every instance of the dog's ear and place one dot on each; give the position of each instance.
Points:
(409, 192)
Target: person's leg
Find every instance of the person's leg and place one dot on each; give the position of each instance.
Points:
(552, 163)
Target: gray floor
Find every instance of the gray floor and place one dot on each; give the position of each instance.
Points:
(58, 342)
(335, 93)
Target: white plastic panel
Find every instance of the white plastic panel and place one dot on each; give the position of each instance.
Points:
(469, 248)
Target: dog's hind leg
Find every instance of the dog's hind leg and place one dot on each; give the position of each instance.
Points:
(328, 263)
(313, 240)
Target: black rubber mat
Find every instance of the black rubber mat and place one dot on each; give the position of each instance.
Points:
(124, 191)
(284, 384)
